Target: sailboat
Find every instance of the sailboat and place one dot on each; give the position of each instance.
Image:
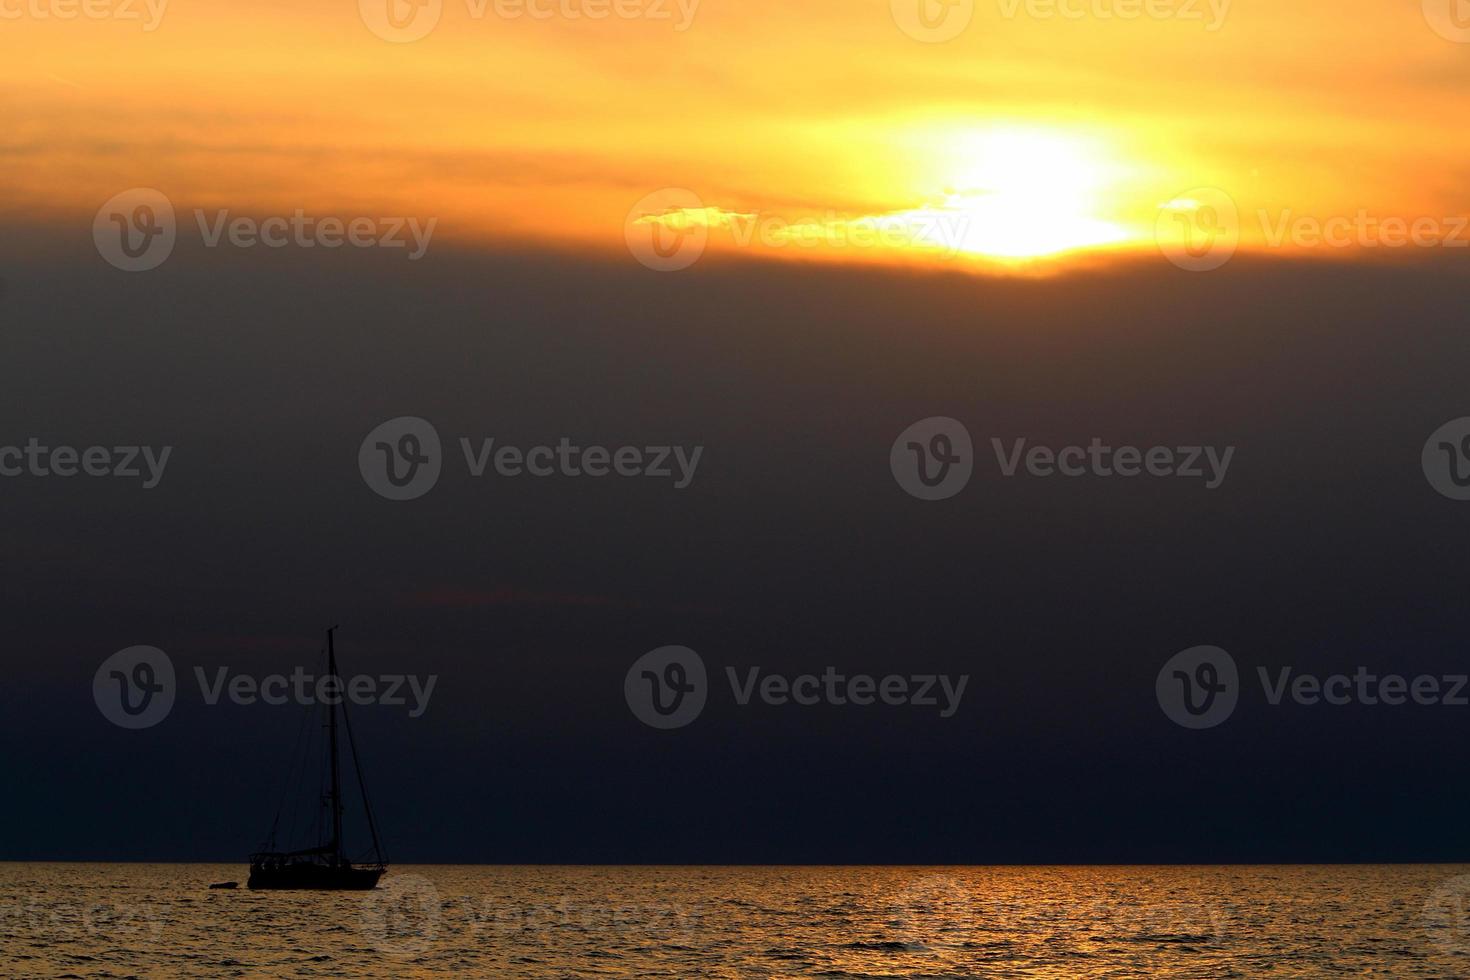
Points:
(325, 865)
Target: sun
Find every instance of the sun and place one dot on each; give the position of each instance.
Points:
(1026, 193)
(1003, 194)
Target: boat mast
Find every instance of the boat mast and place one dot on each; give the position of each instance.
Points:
(336, 789)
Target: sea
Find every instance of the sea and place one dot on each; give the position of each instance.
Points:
(895, 923)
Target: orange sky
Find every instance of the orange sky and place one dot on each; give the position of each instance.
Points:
(1030, 132)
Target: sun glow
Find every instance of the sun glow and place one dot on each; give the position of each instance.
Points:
(809, 131)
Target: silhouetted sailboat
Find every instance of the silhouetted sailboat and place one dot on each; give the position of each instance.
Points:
(327, 864)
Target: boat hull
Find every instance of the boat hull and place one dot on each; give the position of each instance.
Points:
(314, 877)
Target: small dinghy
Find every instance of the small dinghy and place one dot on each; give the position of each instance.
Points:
(225, 884)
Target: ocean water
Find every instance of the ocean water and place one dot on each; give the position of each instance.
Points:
(136, 920)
